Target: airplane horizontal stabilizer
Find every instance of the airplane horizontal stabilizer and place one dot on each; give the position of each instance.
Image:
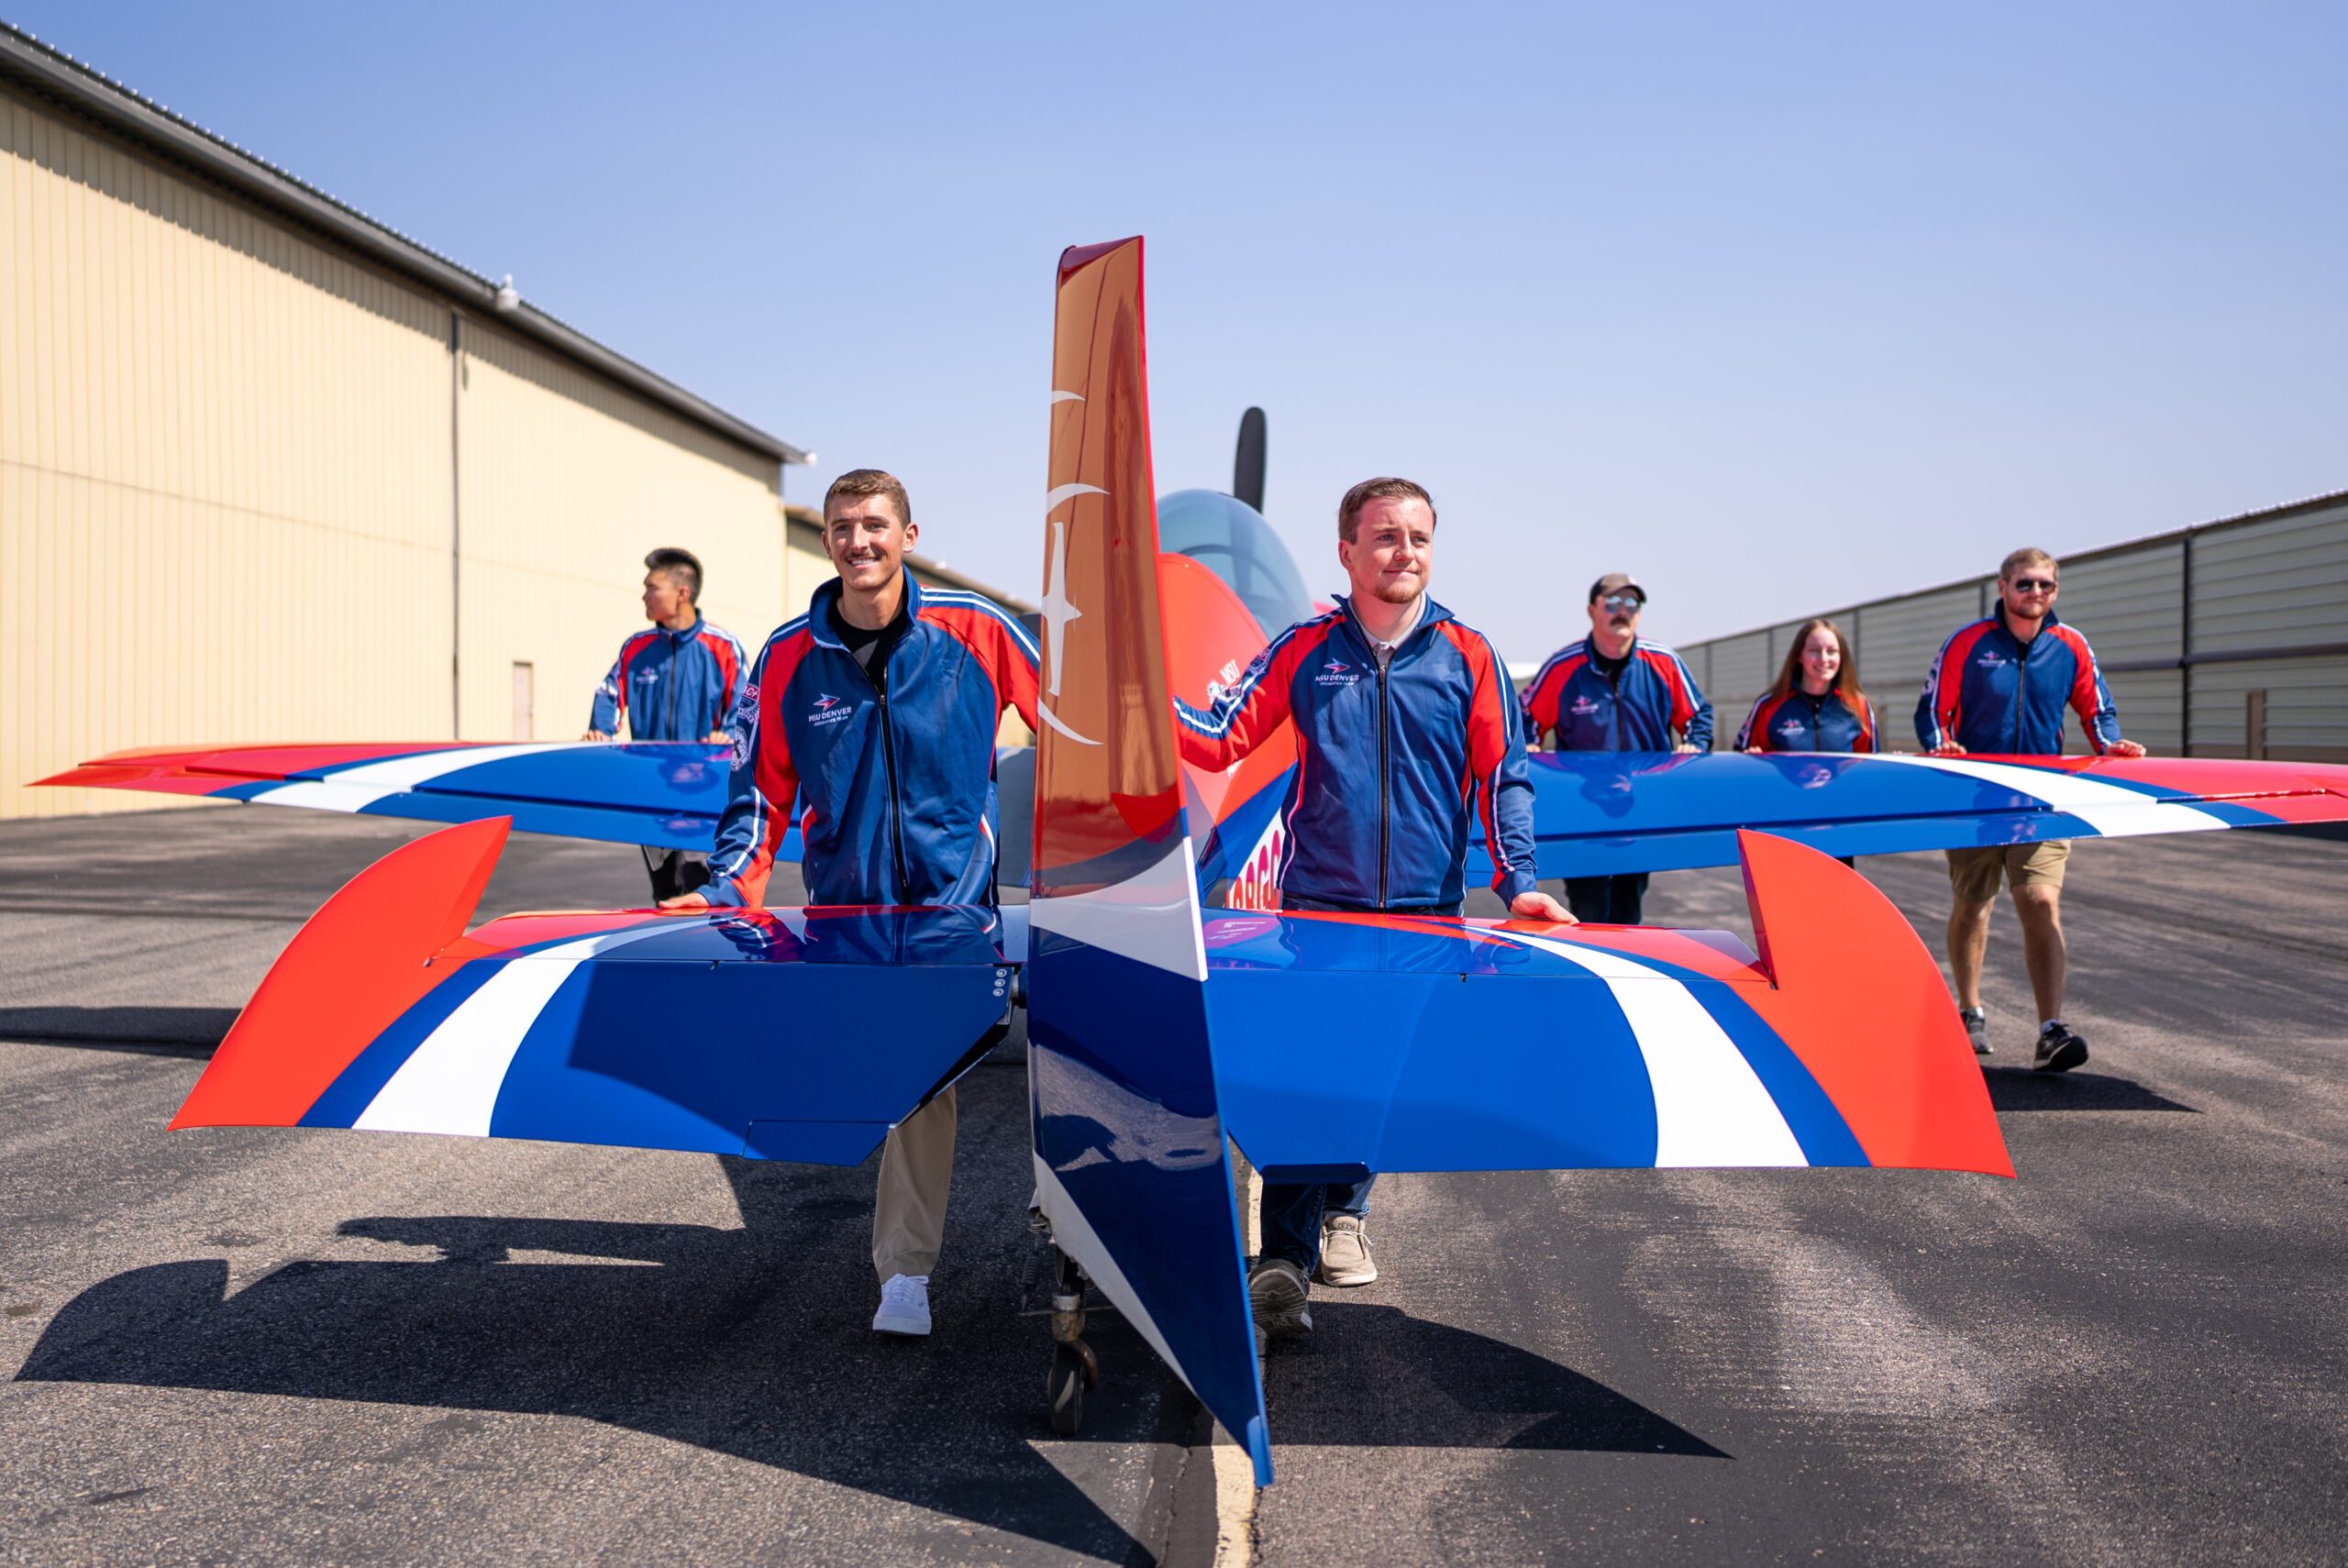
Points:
(729, 1032)
(1349, 1044)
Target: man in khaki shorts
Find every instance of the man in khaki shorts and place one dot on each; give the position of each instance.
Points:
(1999, 686)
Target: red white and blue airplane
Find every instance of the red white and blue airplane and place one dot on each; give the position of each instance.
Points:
(1325, 1046)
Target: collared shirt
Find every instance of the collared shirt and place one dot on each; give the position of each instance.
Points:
(1384, 652)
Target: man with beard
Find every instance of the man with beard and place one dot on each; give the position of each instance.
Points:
(1614, 690)
(876, 711)
(2000, 685)
(1403, 716)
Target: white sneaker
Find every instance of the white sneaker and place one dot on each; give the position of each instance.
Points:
(1345, 1252)
(904, 1305)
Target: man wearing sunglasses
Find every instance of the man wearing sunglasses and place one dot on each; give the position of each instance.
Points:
(1999, 686)
(1614, 690)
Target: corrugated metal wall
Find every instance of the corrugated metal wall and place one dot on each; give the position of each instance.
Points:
(2261, 670)
(566, 482)
(224, 473)
(226, 477)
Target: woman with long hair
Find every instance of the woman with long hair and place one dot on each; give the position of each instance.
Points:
(1816, 704)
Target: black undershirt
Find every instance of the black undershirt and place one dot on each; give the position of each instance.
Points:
(870, 649)
(1612, 669)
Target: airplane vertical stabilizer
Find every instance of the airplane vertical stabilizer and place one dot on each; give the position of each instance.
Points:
(1130, 1161)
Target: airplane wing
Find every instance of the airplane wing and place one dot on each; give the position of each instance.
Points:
(1331, 1047)
(668, 793)
(1598, 813)
(724, 1032)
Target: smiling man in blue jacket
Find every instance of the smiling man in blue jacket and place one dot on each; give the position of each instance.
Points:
(875, 714)
(1403, 717)
(1999, 686)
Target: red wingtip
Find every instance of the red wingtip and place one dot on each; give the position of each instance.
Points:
(1858, 998)
(357, 965)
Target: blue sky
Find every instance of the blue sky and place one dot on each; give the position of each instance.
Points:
(1778, 306)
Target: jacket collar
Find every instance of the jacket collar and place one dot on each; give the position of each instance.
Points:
(822, 608)
(1433, 613)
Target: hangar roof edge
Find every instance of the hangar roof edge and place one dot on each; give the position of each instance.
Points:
(50, 71)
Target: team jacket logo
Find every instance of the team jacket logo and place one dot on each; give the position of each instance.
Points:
(830, 709)
(1990, 659)
(1790, 729)
(1585, 706)
(1336, 672)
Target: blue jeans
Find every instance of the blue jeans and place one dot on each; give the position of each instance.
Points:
(1293, 1215)
(1607, 901)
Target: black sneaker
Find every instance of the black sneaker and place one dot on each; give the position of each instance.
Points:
(2059, 1049)
(1278, 1296)
(1976, 1029)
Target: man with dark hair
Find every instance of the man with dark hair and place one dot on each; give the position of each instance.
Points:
(1614, 690)
(673, 683)
(2000, 685)
(1403, 717)
(876, 711)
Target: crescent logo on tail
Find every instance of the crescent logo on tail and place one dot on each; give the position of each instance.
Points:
(1057, 611)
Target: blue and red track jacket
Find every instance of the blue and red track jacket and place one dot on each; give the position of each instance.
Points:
(1570, 697)
(1387, 761)
(672, 685)
(1795, 721)
(895, 792)
(1990, 692)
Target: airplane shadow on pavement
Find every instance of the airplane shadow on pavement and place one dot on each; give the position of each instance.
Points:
(151, 1031)
(2020, 1089)
(754, 1342)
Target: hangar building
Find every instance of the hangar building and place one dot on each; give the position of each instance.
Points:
(2226, 639)
(269, 470)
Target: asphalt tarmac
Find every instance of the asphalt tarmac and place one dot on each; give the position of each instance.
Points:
(288, 1346)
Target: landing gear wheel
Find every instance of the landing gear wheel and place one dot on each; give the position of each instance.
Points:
(1074, 1370)
(1072, 1373)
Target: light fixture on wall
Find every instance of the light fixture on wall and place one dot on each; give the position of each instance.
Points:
(509, 298)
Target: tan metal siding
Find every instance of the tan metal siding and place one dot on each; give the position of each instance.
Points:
(567, 481)
(209, 429)
(2272, 584)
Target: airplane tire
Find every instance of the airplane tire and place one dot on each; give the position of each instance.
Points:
(1064, 1388)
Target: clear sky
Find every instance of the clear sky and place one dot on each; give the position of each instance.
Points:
(1779, 306)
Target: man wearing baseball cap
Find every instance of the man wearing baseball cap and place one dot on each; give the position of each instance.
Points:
(1614, 690)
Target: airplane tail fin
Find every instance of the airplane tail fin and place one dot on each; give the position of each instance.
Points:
(1129, 1149)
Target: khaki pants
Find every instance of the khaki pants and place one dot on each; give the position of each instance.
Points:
(909, 1205)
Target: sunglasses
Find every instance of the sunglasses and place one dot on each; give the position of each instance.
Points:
(2034, 585)
(1630, 601)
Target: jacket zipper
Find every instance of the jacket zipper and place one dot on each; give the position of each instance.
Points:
(1384, 792)
(895, 813)
(2022, 691)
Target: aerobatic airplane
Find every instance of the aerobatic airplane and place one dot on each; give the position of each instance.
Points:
(1325, 1046)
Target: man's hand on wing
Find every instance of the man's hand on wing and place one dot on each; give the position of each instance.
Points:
(685, 901)
(595, 736)
(1946, 748)
(1534, 904)
(2124, 749)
